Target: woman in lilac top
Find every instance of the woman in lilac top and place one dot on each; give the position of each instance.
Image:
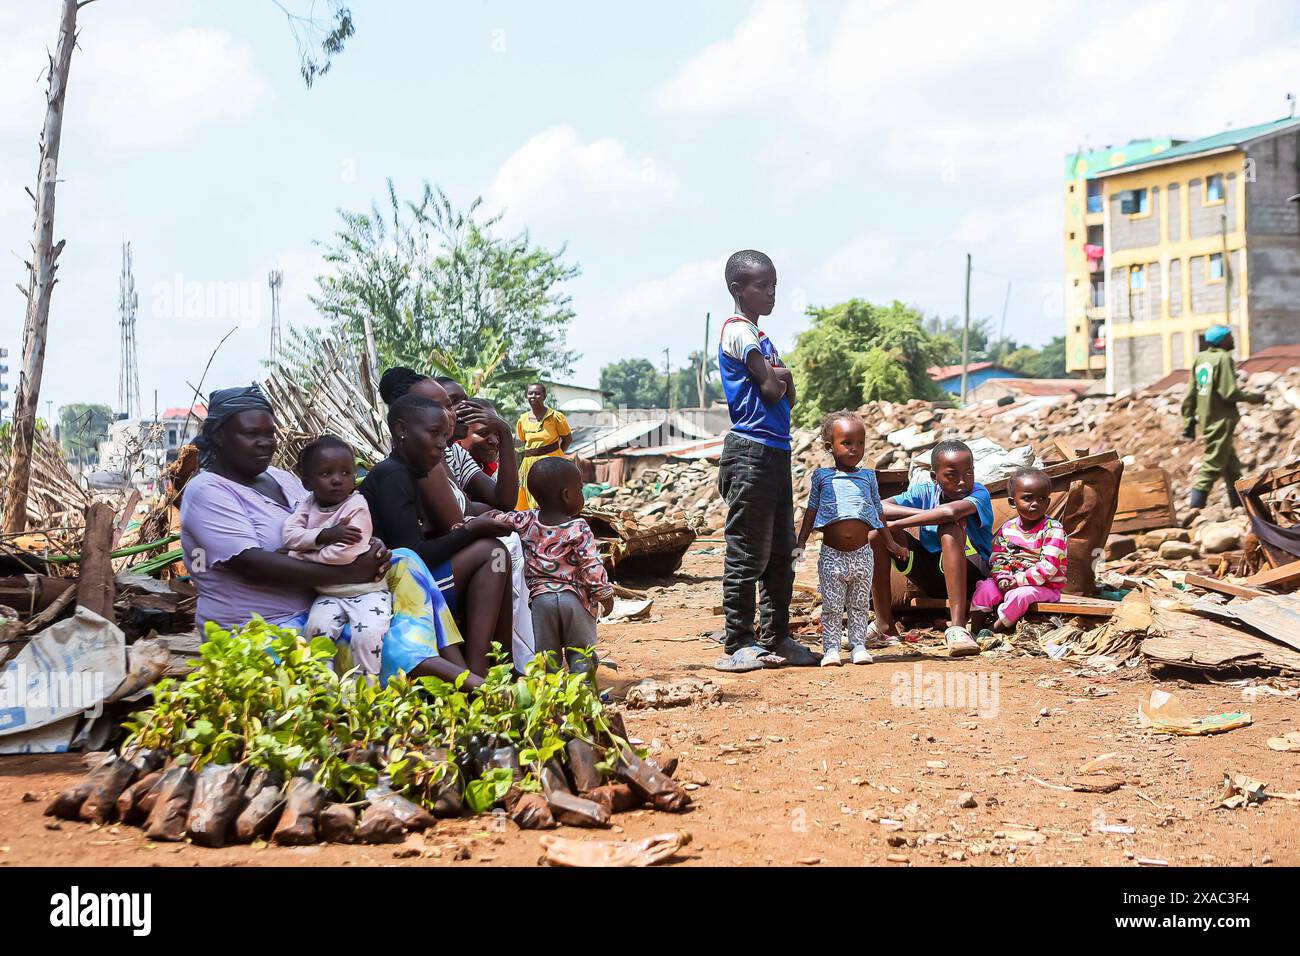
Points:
(232, 522)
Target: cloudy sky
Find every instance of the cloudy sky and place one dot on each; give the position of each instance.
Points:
(867, 145)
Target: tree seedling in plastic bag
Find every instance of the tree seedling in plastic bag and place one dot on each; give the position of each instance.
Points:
(131, 805)
(660, 791)
(217, 792)
(584, 765)
(302, 805)
(172, 804)
(576, 812)
(531, 812)
(616, 797)
(337, 823)
(259, 817)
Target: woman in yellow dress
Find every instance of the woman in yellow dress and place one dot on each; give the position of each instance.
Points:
(545, 434)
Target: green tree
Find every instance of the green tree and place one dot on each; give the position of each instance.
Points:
(81, 428)
(857, 352)
(686, 383)
(1047, 362)
(434, 279)
(634, 383)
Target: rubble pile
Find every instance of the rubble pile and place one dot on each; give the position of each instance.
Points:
(1144, 428)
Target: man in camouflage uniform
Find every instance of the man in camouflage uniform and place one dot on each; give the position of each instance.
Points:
(1212, 397)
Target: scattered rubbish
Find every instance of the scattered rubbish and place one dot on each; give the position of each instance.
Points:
(67, 669)
(1164, 713)
(562, 851)
(653, 694)
(1287, 743)
(1240, 790)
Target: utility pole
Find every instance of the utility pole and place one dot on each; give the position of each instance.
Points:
(128, 382)
(275, 279)
(704, 362)
(668, 381)
(965, 338)
(1002, 331)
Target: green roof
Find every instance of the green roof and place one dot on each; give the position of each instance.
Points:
(1083, 163)
(1206, 144)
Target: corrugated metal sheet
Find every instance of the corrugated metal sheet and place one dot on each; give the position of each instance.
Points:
(689, 451)
(1278, 616)
(591, 443)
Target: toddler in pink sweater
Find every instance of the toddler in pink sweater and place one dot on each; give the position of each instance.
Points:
(332, 526)
(1029, 555)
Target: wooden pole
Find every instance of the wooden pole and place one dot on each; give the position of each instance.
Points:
(965, 338)
(704, 363)
(40, 279)
(95, 587)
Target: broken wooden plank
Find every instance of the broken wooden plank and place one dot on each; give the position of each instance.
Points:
(31, 593)
(95, 587)
(1069, 604)
(1145, 502)
(1283, 578)
(1220, 586)
(128, 511)
(1061, 474)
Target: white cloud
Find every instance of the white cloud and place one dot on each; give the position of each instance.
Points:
(132, 85)
(148, 87)
(557, 178)
(665, 311)
(768, 51)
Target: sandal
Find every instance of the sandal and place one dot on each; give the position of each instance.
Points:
(751, 657)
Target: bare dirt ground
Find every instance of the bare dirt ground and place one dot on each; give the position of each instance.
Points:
(802, 765)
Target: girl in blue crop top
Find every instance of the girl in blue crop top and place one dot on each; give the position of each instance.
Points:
(844, 504)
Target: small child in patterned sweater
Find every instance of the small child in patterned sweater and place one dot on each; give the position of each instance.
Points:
(567, 583)
(1029, 555)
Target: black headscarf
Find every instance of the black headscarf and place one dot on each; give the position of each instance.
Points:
(222, 404)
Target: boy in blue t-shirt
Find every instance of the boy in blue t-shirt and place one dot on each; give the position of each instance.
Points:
(754, 477)
(950, 554)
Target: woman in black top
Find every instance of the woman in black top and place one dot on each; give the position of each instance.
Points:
(471, 567)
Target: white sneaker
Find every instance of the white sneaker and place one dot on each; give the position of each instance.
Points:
(832, 658)
(960, 643)
(861, 655)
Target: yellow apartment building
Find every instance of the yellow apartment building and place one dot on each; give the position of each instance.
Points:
(1164, 238)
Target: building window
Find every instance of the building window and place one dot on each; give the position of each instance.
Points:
(1214, 267)
(1098, 292)
(1214, 188)
(1137, 278)
(1134, 202)
(1095, 235)
(1094, 197)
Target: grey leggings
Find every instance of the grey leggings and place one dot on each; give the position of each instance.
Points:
(845, 578)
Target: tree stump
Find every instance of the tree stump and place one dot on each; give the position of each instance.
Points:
(96, 588)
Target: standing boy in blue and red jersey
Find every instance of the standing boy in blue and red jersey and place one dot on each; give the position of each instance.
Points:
(754, 477)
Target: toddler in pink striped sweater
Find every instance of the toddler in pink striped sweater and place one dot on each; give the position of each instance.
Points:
(1029, 556)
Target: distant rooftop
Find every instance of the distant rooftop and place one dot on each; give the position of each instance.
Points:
(940, 373)
(1088, 162)
(1227, 139)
